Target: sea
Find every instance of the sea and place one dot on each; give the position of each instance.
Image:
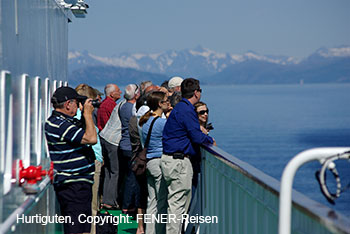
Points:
(267, 125)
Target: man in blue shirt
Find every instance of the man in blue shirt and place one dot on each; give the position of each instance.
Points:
(181, 135)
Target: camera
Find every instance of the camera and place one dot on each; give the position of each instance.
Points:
(209, 126)
(95, 103)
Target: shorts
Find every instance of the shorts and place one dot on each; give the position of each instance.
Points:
(75, 199)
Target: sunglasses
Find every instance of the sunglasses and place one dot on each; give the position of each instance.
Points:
(137, 88)
(202, 112)
(164, 101)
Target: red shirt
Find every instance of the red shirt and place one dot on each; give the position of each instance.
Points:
(104, 112)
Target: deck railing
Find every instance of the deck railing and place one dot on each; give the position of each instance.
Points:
(245, 200)
(23, 109)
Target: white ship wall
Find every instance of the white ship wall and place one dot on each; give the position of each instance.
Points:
(33, 38)
(33, 63)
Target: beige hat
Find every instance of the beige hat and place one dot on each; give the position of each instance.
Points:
(175, 81)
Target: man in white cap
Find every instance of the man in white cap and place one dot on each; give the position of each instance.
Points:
(174, 84)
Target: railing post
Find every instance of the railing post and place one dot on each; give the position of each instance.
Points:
(35, 121)
(285, 202)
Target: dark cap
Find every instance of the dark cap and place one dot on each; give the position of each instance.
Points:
(63, 94)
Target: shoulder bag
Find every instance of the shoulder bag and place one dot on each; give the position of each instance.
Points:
(139, 161)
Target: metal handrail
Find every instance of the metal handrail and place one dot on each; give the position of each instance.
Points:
(285, 203)
(321, 216)
(9, 223)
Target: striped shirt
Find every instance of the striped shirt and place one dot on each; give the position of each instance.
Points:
(72, 160)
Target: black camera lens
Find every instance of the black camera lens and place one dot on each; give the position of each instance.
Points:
(96, 103)
(209, 126)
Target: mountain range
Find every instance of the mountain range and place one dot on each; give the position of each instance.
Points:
(326, 65)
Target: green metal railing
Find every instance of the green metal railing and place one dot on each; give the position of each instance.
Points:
(245, 200)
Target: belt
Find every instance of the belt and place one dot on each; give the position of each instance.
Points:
(178, 155)
(149, 159)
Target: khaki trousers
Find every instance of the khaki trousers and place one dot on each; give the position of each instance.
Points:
(178, 175)
(95, 195)
(157, 196)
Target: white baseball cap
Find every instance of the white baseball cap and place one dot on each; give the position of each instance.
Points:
(175, 81)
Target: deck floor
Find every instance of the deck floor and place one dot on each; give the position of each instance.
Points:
(123, 228)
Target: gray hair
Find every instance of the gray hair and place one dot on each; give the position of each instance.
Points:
(130, 91)
(145, 84)
(109, 89)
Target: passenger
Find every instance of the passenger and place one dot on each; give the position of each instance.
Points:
(136, 147)
(136, 143)
(112, 93)
(109, 138)
(181, 138)
(173, 100)
(99, 95)
(131, 193)
(164, 90)
(165, 84)
(141, 180)
(99, 100)
(144, 85)
(89, 92)
(157, 189)
(141, 103)
(72, 156)
(174, 85)
(203, 112)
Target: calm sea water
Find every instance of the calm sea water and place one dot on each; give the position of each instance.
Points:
(267, 125)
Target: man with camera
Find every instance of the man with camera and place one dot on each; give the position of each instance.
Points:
(72, 156)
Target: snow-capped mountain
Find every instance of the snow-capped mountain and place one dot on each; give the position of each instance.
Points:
(326, 65)
(341, 51)
(190, 62)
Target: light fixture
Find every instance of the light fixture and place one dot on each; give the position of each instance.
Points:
(79, 9)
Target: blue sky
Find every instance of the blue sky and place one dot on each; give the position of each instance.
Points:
(292, 27)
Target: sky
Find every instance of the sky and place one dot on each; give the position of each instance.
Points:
(270, 27)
